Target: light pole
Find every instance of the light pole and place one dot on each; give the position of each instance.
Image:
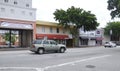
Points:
(110, 35)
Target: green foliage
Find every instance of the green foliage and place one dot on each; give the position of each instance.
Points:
(76, 17)
(114, 7)
(7, 37)
(114, 26)
(89, 21)
(61, 17)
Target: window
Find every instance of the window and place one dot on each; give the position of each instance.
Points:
(31, 13)
(51, 30)
(98, 32)
(57, 30)
(23, 12)
(12, 11)
(43, 29)
(37, 42)
(15, 2)
(6, 1)
(45, 42)
(53, 42)
(2, 9)
(64, 31)
(27, 5)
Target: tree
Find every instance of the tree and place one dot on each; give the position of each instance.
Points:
(115, 28)
(76, 17)
(114, 7)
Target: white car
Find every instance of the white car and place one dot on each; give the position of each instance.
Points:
(109, 44)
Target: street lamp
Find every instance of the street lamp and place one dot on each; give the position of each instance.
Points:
(111, 35)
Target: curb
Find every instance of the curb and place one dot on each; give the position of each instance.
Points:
(13, 49)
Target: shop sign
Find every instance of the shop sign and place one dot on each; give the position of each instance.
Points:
(16, 25)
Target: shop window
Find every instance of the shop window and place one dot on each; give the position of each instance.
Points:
(57, 30)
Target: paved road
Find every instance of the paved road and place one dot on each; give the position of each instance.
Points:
(74, 59)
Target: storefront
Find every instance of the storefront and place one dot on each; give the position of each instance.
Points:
(16, 33)
(53, 31)
(99, 41)
(61, 39)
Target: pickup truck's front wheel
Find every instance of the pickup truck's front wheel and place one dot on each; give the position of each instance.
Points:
(62, 50)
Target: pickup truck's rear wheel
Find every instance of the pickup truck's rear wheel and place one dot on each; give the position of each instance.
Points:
(41, 51)
(62, 50)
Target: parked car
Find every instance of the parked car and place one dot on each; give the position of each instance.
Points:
(41, 46)
(109, 44)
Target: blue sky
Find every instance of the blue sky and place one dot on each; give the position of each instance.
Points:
(46, 8)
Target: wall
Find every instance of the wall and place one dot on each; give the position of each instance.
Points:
(47, 25)
(20, 3)
(19, 11)
(92, 43)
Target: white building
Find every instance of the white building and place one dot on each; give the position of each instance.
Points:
(18, 15)
(17, 9)
(91, 38)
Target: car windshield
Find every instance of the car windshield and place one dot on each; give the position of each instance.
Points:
(37, 42)
(106, 42)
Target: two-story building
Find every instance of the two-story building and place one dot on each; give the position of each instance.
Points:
(17, 18)
(53, 31)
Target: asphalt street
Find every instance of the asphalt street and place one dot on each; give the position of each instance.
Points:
(74, 59)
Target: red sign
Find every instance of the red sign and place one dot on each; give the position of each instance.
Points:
(99, 38)
(51, 36)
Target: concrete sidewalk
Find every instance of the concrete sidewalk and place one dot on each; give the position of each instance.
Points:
(27, 48)
(13, 49)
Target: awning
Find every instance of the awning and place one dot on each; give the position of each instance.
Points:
(15, 25)
(99, 38)
(51, 36)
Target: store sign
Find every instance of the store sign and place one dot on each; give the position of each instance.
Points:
(16, 25)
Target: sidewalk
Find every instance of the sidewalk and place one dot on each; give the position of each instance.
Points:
(13, 49)
(27, 48)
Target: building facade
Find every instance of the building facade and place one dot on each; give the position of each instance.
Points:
(17, 18)
(51, 30)
(91, 38)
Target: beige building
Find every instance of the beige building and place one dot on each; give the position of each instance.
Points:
(53, 31)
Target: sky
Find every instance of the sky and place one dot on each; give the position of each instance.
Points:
(46, 8)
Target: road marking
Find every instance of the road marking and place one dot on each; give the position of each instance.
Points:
(58, 65)
(77, 61)
(37, 69)
(16, 68)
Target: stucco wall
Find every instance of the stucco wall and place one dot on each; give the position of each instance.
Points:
(18, 11)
